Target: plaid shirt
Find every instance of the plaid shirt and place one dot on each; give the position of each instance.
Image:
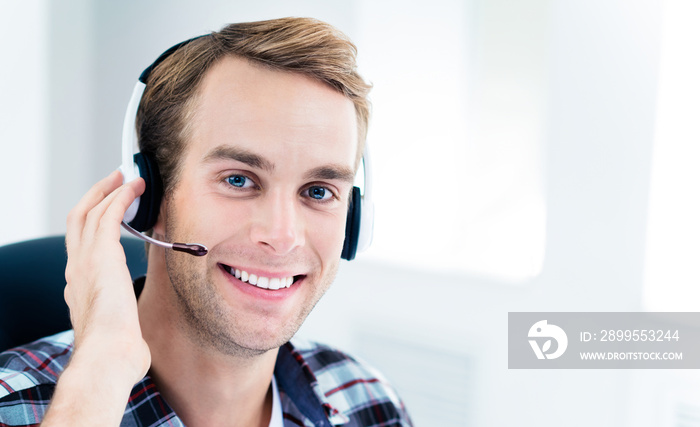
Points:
(318, 386)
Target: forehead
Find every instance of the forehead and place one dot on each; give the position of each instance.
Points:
(274, 113)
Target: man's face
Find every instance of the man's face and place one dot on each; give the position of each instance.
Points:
(265, 181)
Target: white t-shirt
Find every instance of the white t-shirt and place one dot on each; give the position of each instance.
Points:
(276, 419)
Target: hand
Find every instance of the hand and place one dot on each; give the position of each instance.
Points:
(99, 289)
(110, 354)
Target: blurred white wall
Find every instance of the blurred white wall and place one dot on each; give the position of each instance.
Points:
(438, 333)
(24, 116)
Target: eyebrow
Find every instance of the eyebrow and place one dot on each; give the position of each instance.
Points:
(244, 156)
(334, 172)
(329, 172)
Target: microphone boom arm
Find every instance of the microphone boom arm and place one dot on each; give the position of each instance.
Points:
(190, 248)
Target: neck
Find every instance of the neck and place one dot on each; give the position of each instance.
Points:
(202, 385)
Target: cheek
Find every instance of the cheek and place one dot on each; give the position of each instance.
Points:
(327, 235)
(203, 217)
(221, 217)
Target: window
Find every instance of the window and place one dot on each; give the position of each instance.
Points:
(672, 276)
(457, 134)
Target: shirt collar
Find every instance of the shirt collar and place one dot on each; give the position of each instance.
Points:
(295, 378)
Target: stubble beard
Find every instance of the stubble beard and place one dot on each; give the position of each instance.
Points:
(206, 319)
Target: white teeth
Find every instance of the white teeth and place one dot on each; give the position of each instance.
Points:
(273, 283)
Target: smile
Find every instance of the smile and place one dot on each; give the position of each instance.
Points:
(263, 282)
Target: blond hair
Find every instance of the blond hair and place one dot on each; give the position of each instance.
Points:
(299, 45)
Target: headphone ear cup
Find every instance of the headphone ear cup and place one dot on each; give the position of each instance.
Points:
(352, 225)
(149, 206)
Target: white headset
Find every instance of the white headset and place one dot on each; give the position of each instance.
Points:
(142, 214)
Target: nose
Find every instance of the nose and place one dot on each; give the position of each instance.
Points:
(278, 224)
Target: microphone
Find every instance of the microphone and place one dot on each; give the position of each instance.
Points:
(191, 248)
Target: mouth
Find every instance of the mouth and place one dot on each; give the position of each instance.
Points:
(271, 283)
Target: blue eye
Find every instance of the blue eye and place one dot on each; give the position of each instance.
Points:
(239, 181)
(319, 193)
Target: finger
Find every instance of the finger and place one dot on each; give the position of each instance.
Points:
(116, 210)
(76, 217)
(116, 203)
(81, 254)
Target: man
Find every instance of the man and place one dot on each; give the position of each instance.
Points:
(257, 130)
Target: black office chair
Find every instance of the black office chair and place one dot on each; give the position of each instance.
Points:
(31, 287)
